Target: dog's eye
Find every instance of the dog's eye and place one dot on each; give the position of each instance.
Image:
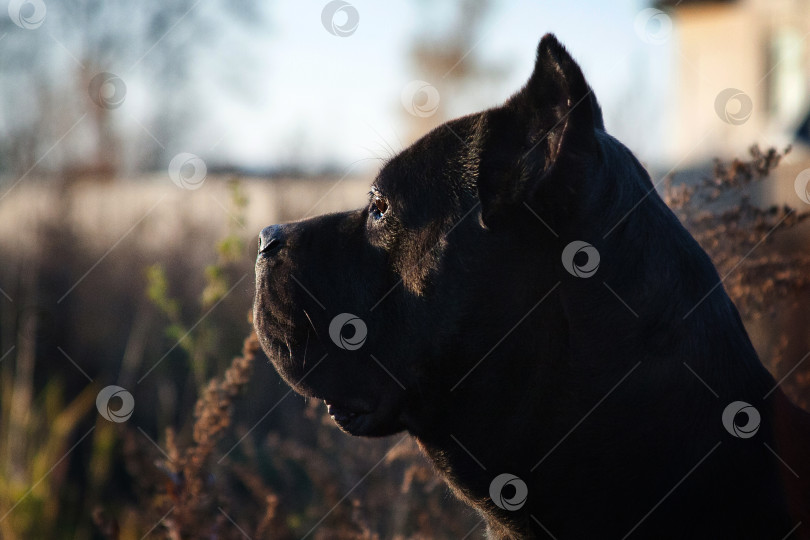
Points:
(378, 206)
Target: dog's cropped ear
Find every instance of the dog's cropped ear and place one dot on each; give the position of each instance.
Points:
(541, 138)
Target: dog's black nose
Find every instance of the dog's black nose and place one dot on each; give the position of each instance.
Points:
(271, 238)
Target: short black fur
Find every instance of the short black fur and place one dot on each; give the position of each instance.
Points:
(498, 360)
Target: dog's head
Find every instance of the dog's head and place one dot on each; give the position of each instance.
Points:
(452, 275)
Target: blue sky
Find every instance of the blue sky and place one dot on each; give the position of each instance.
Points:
(328, 99)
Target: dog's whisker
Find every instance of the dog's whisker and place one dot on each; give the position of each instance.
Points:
(317, 336)
(306, 346)
(386, 146)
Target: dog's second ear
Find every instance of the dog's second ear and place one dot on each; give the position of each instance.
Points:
(541, 137)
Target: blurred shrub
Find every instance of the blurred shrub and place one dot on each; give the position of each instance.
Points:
(761, 255)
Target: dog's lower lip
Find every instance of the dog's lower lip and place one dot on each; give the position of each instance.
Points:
(345, 418)
(335, 410)
(345, 414)
(352, 409)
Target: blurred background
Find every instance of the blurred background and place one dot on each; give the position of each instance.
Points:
(144, 145)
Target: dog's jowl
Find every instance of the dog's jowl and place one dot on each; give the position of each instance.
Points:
(517, 297)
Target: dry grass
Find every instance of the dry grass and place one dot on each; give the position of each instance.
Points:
(760, 253)
(219, 449)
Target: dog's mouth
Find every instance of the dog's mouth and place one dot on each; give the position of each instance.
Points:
(360, 417)
(353, 418)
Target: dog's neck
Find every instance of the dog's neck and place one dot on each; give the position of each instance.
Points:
(578, 405)
(624, 357)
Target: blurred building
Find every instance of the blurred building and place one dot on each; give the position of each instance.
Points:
(741, 75)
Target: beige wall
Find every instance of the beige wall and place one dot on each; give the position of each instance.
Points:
(154, 214)
(758, 46)
(716, 47)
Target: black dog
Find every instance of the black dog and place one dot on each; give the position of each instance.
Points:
(518, 298)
